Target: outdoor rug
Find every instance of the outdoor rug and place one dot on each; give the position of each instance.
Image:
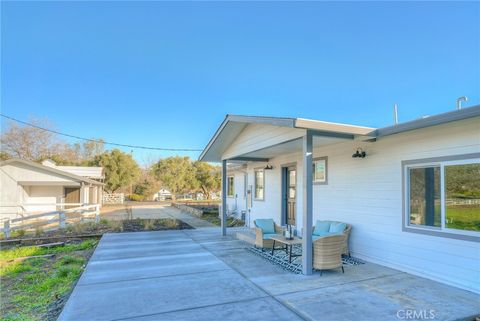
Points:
(280, 258)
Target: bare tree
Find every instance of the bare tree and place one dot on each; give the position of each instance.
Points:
(29, 143)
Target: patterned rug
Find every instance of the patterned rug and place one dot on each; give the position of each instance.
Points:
(280, 258)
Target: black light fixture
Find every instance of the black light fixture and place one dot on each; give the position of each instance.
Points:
(360, 153)
(268, 167)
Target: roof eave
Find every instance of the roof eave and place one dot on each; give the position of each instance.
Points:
(429, 121)
(51, 169)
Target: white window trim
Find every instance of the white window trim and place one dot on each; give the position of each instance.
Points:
(431, 230)
(255, 184)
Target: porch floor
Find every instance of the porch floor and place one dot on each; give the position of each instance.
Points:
(200, 275)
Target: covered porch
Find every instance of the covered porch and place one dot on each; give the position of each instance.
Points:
(288, 157)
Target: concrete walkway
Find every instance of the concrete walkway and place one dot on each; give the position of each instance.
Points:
(198, 275)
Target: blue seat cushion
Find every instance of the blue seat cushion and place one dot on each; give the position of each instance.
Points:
(316, 237)
(266, 224)
(337, 227)
(321, 228)
(267, 236)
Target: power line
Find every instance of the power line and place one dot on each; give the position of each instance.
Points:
(101, 141)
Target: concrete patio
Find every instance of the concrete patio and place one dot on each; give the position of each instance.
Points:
(199, 275)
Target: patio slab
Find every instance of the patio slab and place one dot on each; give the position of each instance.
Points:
(132, 298)
(136, 249)
(249, 310)
(150, 267)
(389, 297)
(200, 275)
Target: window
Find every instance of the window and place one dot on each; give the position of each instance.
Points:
(259, 184)
(292, 182)
(425, 196)
(230, 186)
(320, 170)
(443, 196)
(462, 197)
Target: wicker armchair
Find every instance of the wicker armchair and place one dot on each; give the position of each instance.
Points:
(346, 232)
(345, 249)
(327, 252)
(259, 237)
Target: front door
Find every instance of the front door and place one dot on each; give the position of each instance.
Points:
(291, 195)
(72, 195)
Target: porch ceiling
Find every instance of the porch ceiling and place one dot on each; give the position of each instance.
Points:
(292, 147)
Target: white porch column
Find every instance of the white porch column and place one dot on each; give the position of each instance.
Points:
(307, 252)
(83, 193)
(94, 194)
(224, 197)
(100, 195)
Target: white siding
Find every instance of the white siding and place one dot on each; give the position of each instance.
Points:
(255, 137)
(43, 198)
(367, 193)
(10, 196)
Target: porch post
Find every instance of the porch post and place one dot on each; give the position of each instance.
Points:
(224, 197)
(307, 252)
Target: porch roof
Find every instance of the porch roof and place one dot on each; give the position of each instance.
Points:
(233, 125)
(325, 132)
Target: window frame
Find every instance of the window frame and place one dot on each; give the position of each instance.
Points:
(441, 162)
(233, 186)
(315, 160)
(259, 169)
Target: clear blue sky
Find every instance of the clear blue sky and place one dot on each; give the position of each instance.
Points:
(166, 73)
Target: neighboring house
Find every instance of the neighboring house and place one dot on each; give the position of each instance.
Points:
(162, 195)
(413, 200)
(29, 187)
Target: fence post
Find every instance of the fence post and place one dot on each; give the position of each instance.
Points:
(61, 219)
(6, 229)
(97, 213)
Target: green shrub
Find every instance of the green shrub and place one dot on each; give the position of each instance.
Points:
(136, 197)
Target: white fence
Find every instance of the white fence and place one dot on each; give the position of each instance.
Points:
(462, 201)
(76, 212)
(113, 198)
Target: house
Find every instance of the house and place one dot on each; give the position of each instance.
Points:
(162, 195)
(411, 191)
(29, 187)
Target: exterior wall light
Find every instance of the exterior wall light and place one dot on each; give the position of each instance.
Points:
(360, 153)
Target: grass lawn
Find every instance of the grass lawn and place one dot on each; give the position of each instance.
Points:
(37, 288)
(463, 217)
